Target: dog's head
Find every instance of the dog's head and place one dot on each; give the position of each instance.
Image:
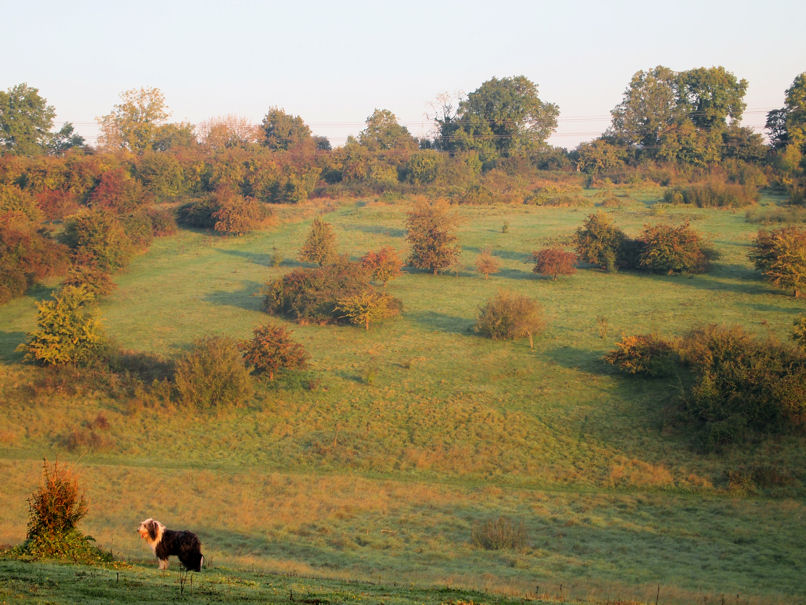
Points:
(151, 530)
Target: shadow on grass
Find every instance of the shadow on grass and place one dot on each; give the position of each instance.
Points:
(505, 254)
(248, 297)
(579, 359)
(9, 341)
(264, 259)
(441, 322)
(375, 229)
(714, 283)
(516, 274)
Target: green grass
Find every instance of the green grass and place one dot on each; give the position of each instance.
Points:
(418, 428)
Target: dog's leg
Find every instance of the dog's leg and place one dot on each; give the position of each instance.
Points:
(163, 564)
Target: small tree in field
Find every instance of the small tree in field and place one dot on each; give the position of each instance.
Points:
(383, 264)
(553, 262)
(486, 264)
(430, 231)
(320, 246)
(509, 315)
(68, 329)
(272, 349)
(54, 510)
(600, 243)
(368, 307)
(781, 256)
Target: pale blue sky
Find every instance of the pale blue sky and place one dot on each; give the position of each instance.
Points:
(334, 62)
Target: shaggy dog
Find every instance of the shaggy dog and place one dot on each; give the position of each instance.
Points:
(166, 542)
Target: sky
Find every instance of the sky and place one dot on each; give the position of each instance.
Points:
(333, 62)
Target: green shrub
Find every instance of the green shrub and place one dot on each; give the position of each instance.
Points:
(212, 374)
(271, 349)
(645, 354)
(312, 294)
(799, 332)
(320, 245)
(780, 255)
(430, 229)
(600, 243)
(508, 315)
(198, 213)
(500, 533)
(368, 306)
(68, 331)
(672, 249)
(740, 385)
(97, 237)
(95, 280)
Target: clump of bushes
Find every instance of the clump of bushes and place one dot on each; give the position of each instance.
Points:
(600, 243)
(499, 533)
(212, 374)
(314, 294)
(713, 194)
(98, 237)
(508, 316)
(734, 386)
(552, 262)
(54, 511)
(271, 349)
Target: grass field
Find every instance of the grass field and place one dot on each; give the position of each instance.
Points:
(376, 463)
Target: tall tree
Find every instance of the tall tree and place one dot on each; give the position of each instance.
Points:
(383, 132)
(25, 121)
(501, 118)
(133, 123)
(648, 108)
(282, 131)
(788, 124)
(710, 95)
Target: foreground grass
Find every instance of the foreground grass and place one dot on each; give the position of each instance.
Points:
(54, 583)
(377, 461)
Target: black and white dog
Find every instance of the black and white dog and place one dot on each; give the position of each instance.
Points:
(166, 542)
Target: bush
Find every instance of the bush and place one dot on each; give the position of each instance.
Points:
(553, 262)
(781, 256)
(368, 307)
(740, 385)
(799, 332)
(382, 265)
(116, 191)
(320, 245)
(237, 215)
(272, 349)
(26, 256)
(95, 280)
(645, 354)
(508, 316)
(54, 511)
(498, 534)
(97, 237)
(198, 214)
(600, 243)
(312, 295)
(212, 374)
(68, 332)
(672, 249)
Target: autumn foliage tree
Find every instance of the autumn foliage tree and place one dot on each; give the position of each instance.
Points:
(430, 231)
(553, 262)
(383, 264)
(271, 349)
(486, 263)
(780, 255)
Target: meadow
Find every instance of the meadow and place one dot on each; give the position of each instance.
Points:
(377, 461)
